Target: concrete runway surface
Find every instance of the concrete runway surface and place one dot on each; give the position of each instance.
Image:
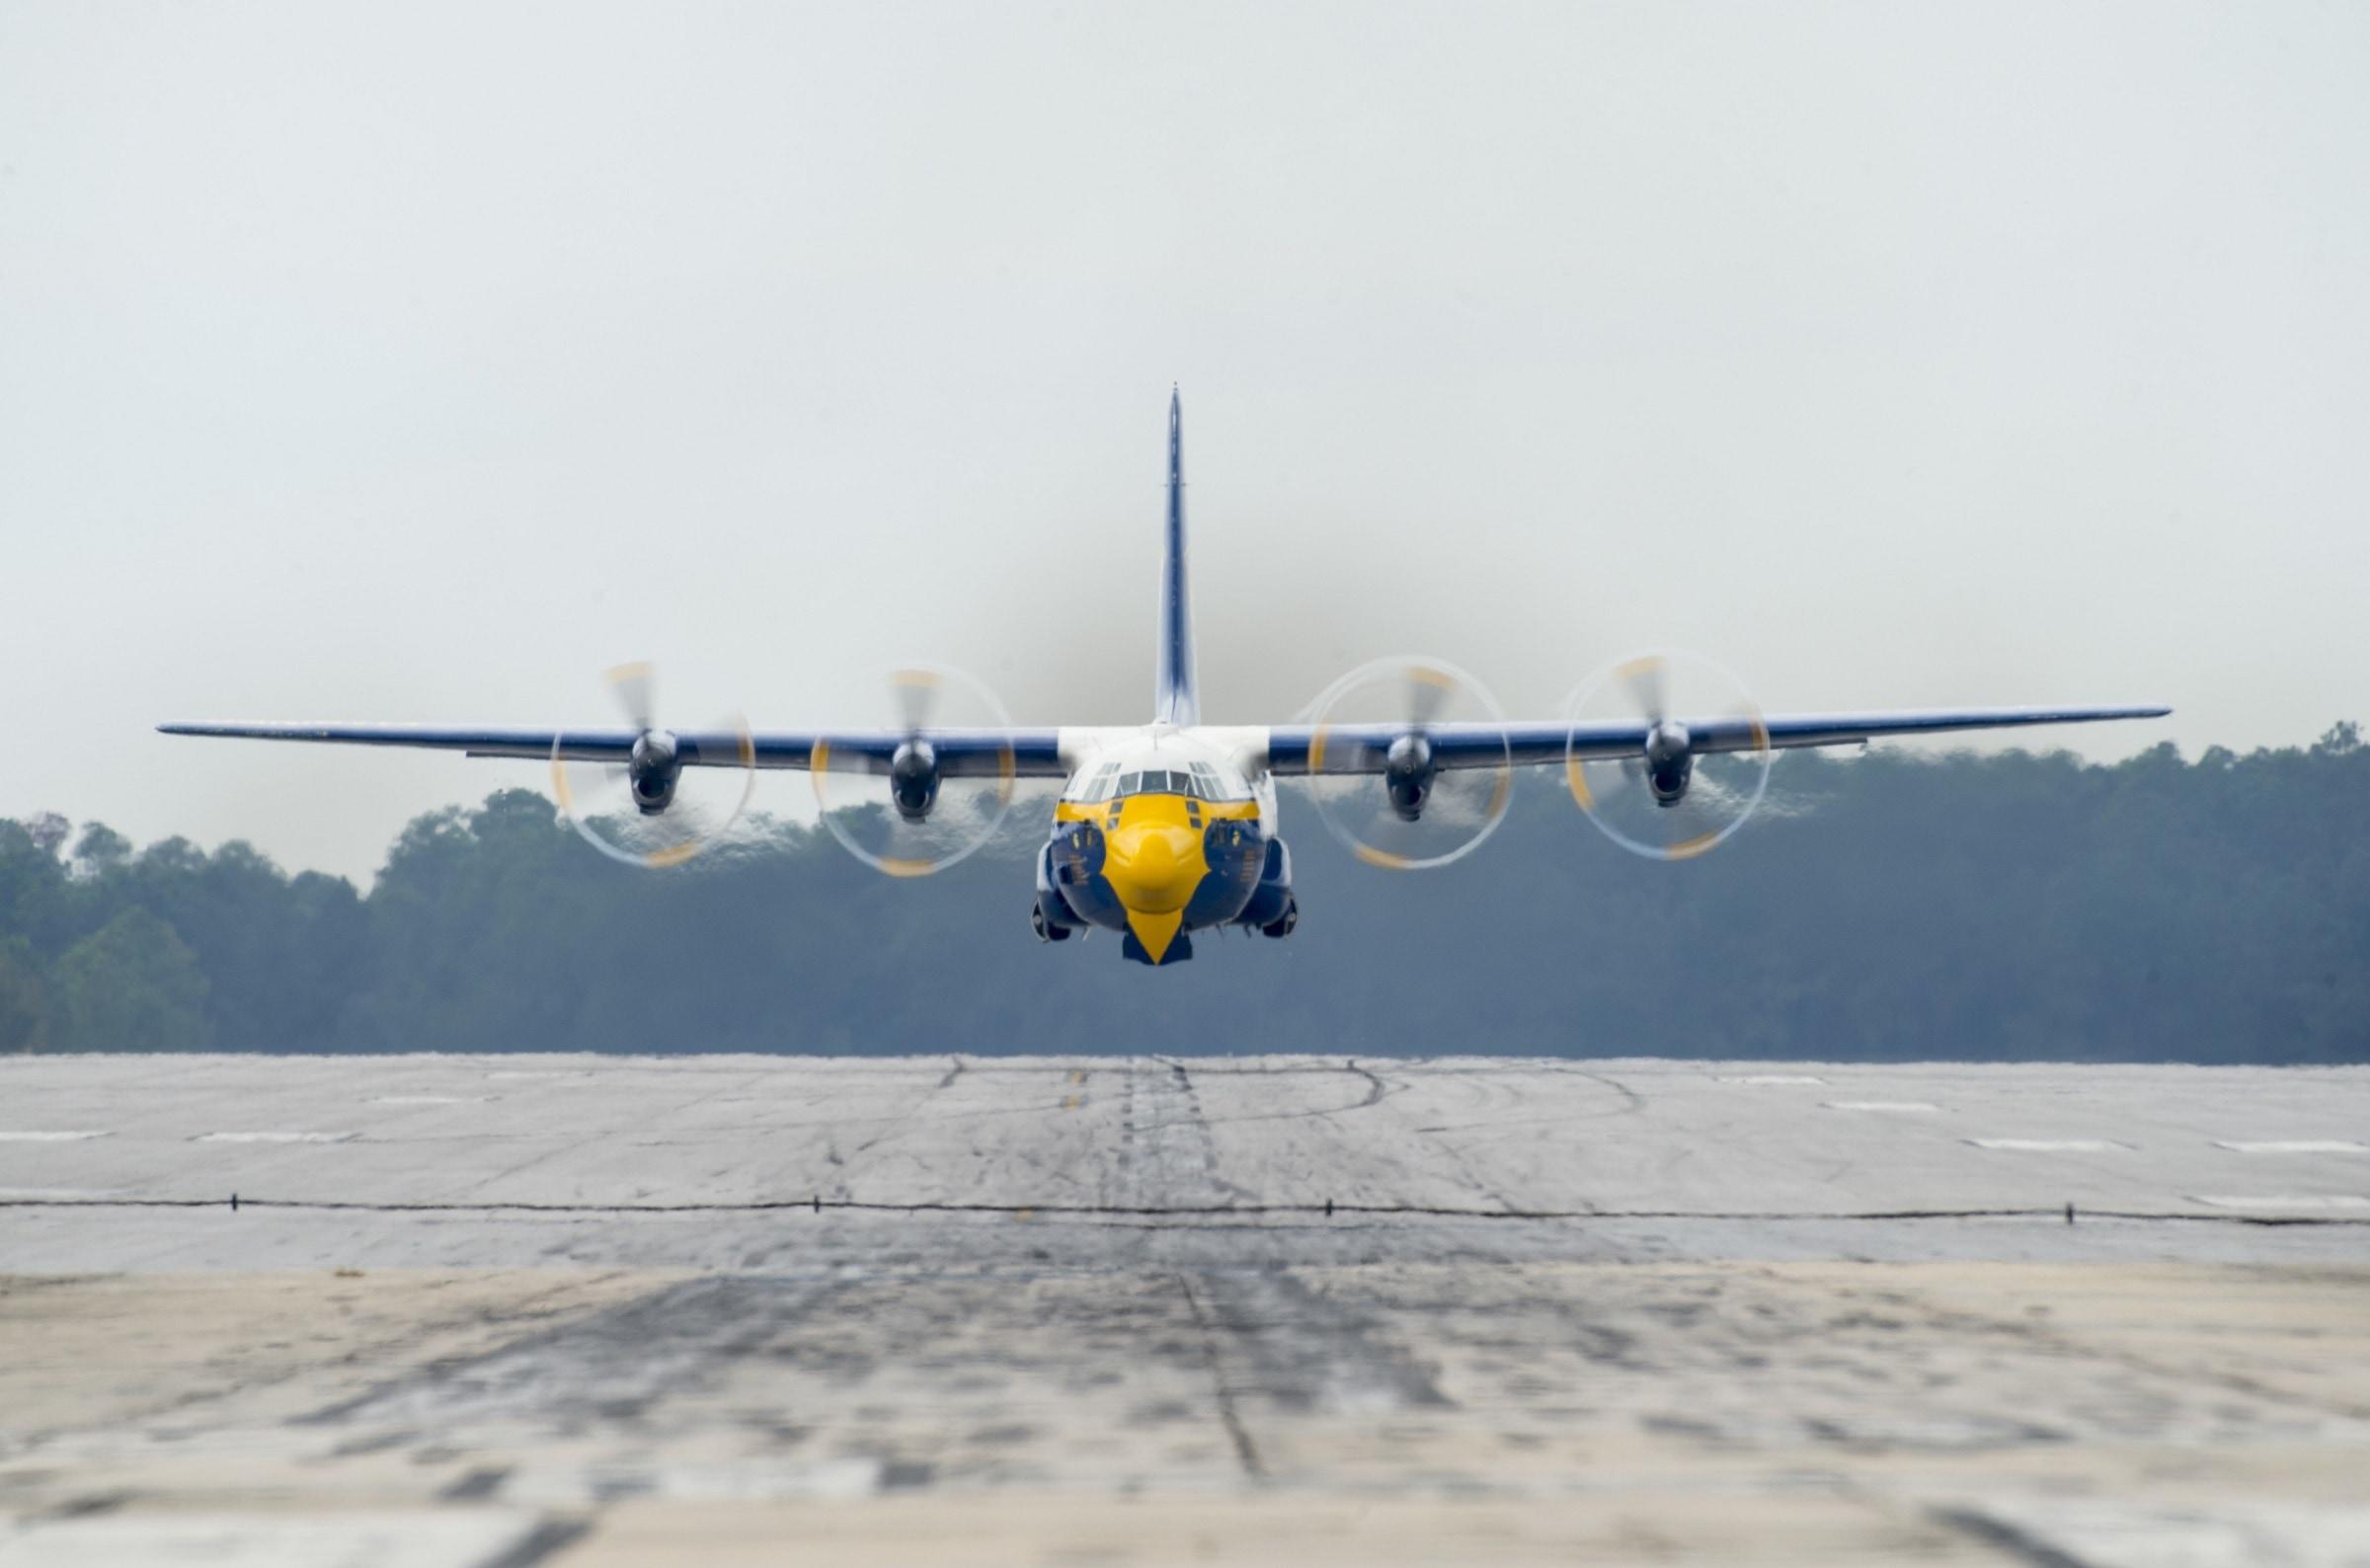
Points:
(500, 1311)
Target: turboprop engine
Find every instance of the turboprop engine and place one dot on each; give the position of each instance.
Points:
(671, 819)
(914, 808)
(1373, 773)
(653, 769)
(1693, 781)
(1407, 775)
(1670, 763)
(913, 779)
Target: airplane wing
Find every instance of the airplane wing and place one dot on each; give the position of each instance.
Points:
(1361, 747)
(962, 752)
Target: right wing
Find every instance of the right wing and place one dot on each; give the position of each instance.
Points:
(1362, 748)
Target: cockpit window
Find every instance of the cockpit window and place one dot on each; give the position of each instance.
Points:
(1097, 785)
(1201, 781)
(1195, 781)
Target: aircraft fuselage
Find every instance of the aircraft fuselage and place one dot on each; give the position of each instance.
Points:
(1163, 831)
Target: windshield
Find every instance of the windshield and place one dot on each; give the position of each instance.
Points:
(1196, 781)
(1114, 780)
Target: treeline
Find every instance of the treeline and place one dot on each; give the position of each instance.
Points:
(1890, 906)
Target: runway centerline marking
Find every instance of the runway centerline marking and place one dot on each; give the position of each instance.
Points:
(34, 1136)
(1770, 1077)
(1880, 1105)
(2053, 1145)
(2295, 1145)
(2346, 1200)
(274, 1138)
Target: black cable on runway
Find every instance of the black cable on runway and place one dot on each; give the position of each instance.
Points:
(808, 1203)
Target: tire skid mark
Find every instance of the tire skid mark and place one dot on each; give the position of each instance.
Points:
(1247, 1453)
(2020, 1544)
(1376, 1090)
(666, 1340)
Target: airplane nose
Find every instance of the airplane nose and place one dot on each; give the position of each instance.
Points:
(1153, 867)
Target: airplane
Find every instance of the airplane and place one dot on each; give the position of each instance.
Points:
(1170, 828)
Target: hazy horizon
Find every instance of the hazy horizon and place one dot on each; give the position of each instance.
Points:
(1893, 357)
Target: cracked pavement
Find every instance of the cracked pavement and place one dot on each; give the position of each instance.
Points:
(581, 1310)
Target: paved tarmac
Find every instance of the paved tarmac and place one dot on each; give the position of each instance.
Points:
(585, 1310)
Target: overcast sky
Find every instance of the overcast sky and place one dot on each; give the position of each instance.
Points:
(417, 363)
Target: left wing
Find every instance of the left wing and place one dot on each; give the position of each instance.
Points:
(1362, 748)
(962, 752)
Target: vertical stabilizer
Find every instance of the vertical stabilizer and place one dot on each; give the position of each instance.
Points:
(1175, 695)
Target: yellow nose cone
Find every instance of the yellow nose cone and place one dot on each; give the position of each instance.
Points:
(1155, 868)
(1153, 862)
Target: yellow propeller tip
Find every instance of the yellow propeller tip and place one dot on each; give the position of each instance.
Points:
(1690, 848)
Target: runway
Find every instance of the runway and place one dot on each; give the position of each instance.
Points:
(964, 1310)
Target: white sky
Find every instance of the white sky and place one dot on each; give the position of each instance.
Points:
(418, 363)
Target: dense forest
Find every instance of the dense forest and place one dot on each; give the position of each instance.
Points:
(1886, 907)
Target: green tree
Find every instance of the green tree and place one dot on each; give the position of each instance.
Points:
(133, 984)
(99, 850)
(33, 898)
(1890, 906)
(24, 997)
(49, 831)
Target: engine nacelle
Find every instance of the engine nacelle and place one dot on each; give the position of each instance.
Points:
(654, 768)
(1407, 775)
(1670, 763)
(913, 779)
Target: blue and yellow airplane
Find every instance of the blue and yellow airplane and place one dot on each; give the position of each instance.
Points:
(1170, 828)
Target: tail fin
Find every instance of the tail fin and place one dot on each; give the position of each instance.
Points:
(1175, 697)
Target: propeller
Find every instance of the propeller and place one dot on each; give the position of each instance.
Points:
(652, 810)
(1668, 798)
(1371, 771)
(906, 815)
